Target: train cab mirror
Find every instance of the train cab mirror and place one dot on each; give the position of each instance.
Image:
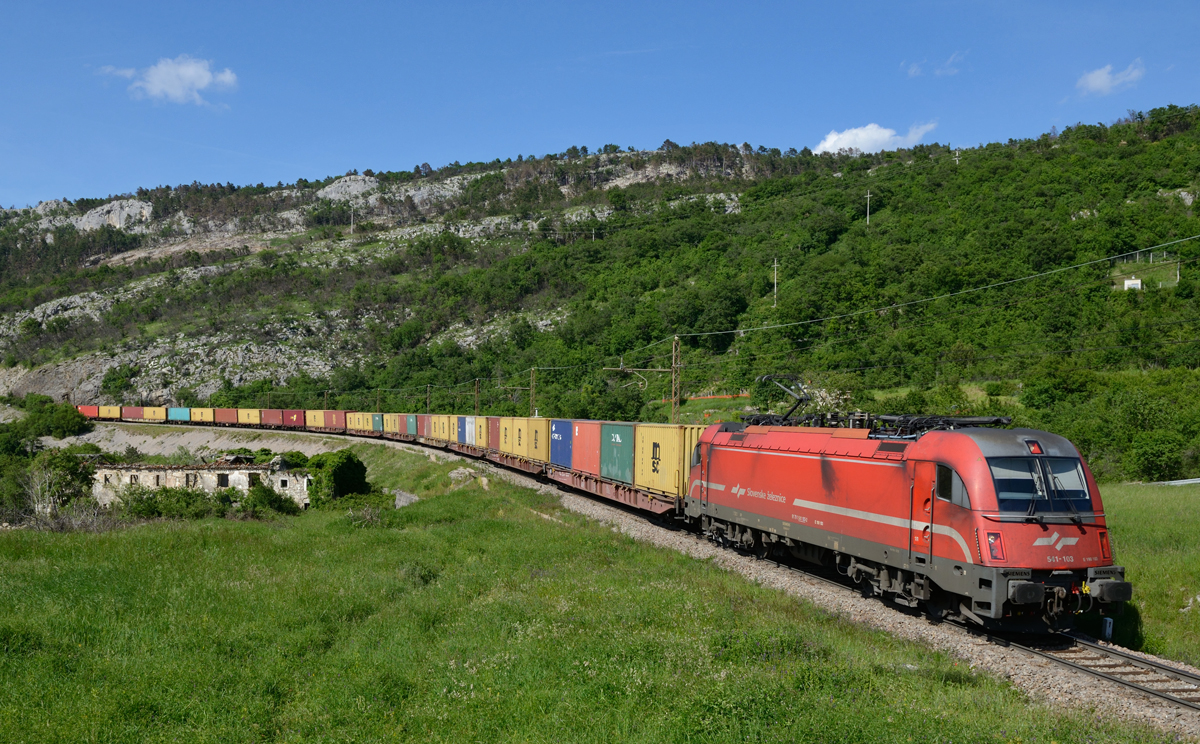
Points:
(950, 487)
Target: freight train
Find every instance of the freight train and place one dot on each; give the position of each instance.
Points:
(1002, 528)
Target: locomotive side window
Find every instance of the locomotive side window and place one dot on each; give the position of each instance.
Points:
(696, 456)
(951, 488)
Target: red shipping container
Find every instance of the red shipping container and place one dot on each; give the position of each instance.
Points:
(585, 447)
(272, 417)
(293, 418)
(423, 420)
(225, 415)
(335, 419)
(89, 411)
(494, 433)
(132, 413)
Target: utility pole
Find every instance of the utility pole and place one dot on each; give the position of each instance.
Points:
(775, 298)
(532, 390)
(868, 206)
(377, 409)
(326, 400)
(676, 368)
(427, 394)
(352, 218)
(476, 396)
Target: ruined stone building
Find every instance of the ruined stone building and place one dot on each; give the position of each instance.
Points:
(232, 472)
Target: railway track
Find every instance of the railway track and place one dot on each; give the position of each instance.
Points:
(1110, 663)
(1106, 662)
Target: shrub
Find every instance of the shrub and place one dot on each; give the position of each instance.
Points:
(262, 499)
(172, 503)
(1157, 455)
(336, 474)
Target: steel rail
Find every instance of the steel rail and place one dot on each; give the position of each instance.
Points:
(1147, 667)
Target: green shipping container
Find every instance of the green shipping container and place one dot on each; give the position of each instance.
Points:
(616, 452)
(412, 424)
(377, 421)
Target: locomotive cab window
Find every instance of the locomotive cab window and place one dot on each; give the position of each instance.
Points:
(1035, 485)
(696, 456)
(950, 487)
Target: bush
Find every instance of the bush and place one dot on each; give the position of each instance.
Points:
(1157, 455)
(47, 418)
(172, 503)
(263, 500)
(336, 474)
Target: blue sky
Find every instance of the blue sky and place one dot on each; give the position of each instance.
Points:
(100, 99)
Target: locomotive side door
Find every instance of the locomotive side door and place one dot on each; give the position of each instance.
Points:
(920, 541)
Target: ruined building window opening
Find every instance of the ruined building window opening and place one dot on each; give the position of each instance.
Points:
(133, 479)
(157, 480)
(223, 480)
(283, 482)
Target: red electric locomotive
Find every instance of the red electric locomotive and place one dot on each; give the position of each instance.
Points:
(1003, 527)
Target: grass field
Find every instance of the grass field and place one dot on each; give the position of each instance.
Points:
(465, 617)
(1156, 536)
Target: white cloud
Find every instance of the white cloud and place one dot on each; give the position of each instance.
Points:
(949, 68)
(125, 72)
(914, 69)
(1103, 81)
(180, 80)
(873, 138)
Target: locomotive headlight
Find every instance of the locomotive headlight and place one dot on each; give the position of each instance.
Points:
(1105, 548)
(995, 543)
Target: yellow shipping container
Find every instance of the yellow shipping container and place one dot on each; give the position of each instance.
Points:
(664, 457)
(358, 421)
(154, 413)
(520, 437)
(110, 412)
(441, 427)
(202, 414)
(391, 422)
(314, 419)
(538, 434)
(481, 432)
(507, 435)
(249, 416)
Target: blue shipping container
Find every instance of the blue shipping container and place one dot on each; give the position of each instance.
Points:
(560, 442)
(377, 421)
(462, 429)
(179, 414)
(412, 423)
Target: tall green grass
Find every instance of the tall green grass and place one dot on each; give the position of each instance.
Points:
(1156, 536)
(465, 617)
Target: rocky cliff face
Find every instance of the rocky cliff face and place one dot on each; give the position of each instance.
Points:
(313, 344)
(130, 215)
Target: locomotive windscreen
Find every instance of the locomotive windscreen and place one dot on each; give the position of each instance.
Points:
(1037, 485)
